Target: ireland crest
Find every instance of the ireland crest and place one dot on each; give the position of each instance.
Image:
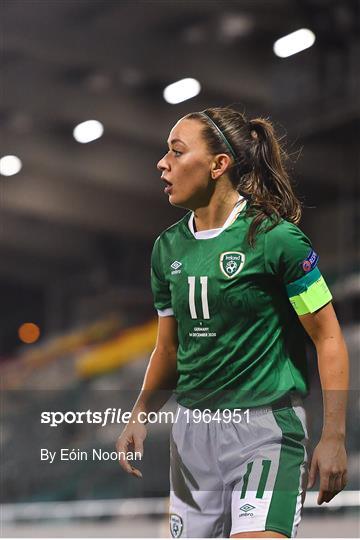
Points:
(176, 525)
(231, 263)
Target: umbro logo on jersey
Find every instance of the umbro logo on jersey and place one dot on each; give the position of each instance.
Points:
(231, 263)
(175, 266)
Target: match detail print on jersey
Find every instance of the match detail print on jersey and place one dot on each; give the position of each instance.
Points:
(308, 293)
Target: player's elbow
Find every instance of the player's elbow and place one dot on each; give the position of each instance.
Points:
(166, 351)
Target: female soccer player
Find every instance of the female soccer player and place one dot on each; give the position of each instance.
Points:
(235, 281)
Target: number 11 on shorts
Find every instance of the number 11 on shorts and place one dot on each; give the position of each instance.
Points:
(262, 482)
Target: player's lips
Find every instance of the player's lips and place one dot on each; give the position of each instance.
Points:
(168, 187)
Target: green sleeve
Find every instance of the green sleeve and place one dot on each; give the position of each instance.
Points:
(290, 257)
(159, 285)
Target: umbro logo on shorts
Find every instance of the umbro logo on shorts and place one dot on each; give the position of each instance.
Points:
(247, 507)
(176, 525)
(246, 510)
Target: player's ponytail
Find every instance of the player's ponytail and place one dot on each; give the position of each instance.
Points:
(267, 184)
(258, 170)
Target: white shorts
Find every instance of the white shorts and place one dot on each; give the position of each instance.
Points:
(243, 474)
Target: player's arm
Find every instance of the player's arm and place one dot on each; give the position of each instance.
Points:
(329, 456)
(159, 381)
(161, 374)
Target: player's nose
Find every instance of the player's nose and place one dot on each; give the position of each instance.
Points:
(162, 164)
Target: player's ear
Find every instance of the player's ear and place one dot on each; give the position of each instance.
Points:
(219, 165)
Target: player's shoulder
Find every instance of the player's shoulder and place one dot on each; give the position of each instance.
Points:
(281, 230)
(177, 228)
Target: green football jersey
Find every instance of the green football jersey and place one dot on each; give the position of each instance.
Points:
(241, 343)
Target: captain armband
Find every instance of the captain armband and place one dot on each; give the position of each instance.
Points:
(308, 293)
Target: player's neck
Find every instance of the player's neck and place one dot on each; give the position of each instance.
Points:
(216, 213)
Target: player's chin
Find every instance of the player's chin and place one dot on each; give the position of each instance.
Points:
(176, 200)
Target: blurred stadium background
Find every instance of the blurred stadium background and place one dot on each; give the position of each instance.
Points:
(78, 222)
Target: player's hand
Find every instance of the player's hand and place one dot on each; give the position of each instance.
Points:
(329, 458)
(131, 440)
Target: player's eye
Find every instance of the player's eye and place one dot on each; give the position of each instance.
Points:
(177, 153)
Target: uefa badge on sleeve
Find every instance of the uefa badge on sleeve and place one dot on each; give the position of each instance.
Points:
(231, 263)
(310, 262)
(176, 525)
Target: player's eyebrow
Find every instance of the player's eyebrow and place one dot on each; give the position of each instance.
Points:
(173, 141)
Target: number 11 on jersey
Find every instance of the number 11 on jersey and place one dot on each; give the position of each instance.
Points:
(204, 297)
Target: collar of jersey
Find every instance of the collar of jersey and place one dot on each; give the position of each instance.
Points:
(212, 233)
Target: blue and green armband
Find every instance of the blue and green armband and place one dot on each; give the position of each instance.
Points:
(308, 293)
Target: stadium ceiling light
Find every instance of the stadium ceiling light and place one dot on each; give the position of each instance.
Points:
(181, 90)
(293, 43)
(10, 165)
(88, 131)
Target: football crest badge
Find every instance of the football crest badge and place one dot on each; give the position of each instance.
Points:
(310, 262)
(176, 525)
(231, 263)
